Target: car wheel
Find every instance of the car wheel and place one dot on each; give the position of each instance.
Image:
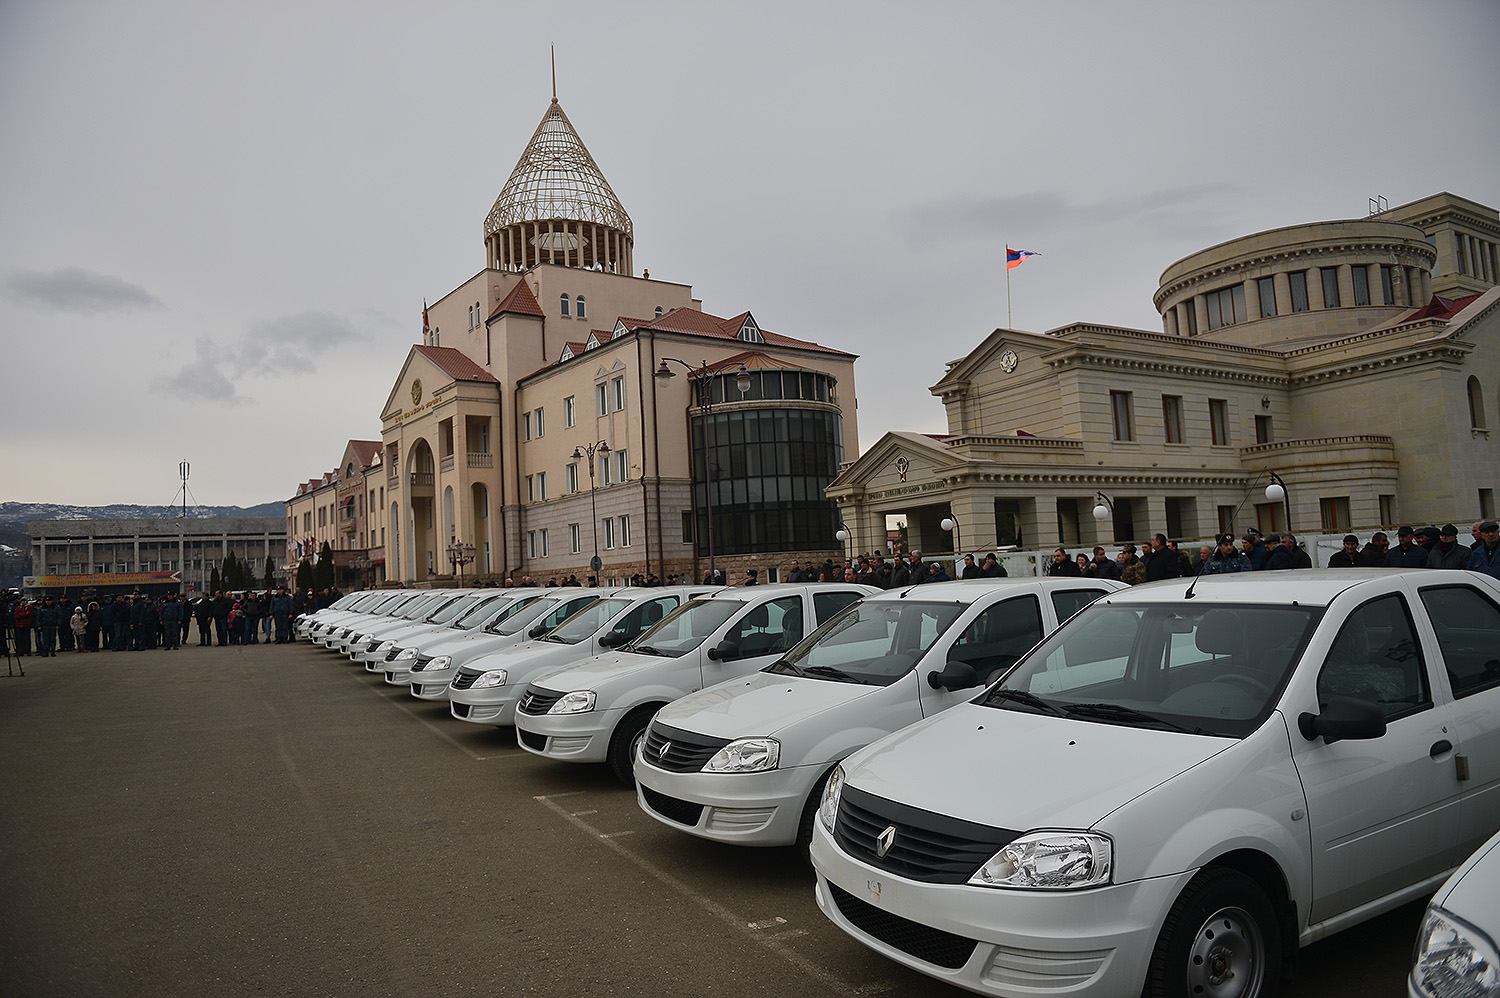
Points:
(626, 740)
(810, 813)
(1221, 938)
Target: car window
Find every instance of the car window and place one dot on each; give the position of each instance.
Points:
(508, 611)
(1468, 633)
(874, 643)
(768, 628)
(997, 638)
(826, 605)
(1066, 602)
(635, 623)
(478, 613)
(588, 620)
(1376, 657)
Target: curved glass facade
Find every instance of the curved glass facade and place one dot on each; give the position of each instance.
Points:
(770, 466)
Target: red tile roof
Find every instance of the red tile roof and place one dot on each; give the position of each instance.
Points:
(691, 320)
(456, 364)
(366, 451)
(520, 301)
(1441, 308)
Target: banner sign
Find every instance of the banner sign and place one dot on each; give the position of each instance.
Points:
(100, 579)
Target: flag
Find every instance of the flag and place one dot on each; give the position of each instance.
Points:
(426, 328)
(1014, 258)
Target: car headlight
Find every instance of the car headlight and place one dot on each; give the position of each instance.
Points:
(405, 655)
(384, 646)
(1056, 861)
(1453, 958)
(576, 702)
(437, 664)
(495, 677)
(833, 792)
(745, 755)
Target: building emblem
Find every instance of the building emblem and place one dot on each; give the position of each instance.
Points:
(902, 467)
(1008, 361)
(884, 841)
(416, 391)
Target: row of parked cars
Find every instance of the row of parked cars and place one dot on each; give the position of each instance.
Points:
(1029, 786)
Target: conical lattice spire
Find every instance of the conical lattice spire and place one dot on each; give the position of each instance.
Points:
(557, 179)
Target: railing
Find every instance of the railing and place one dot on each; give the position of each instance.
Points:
(420, 479)
(481, 460)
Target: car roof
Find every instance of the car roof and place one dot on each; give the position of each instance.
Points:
(1314, 587)
(968, 590)
(745, 594)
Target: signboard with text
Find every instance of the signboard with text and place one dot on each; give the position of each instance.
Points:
(99, 579)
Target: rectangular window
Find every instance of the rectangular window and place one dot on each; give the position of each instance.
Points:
(622, 465)
(1226, 519)
(624, 533)
(572, 478)
(1386, 290)
(570, 411)
(601, 398)
(541, 485)
(604, 469)
(1298, 282)
(1270, 517)
(1119, 406)
(1192, 314)
(531, 543)
(1267, 288)
(531, 488)
(687, 526)
(617, 391)
(1262, 429)
(1330, 287)
(1486, 504)
(541, 536)
(575, 538)
(1218, 422)
(1361, 286)
(1387, 511)
(540, 424)
(609, 531)
(1335, 513)
(1226, 307)
(1171, 416)
(525, 426)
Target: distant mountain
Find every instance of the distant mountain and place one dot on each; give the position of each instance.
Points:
(16, 514)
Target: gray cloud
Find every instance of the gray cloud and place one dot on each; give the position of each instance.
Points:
(201, 378)
(73, 289)
(1178, 212)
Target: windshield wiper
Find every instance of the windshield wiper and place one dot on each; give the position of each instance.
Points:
(643, 650)
(1022, 697)
(559, 640)
(782, 665)
(1117, 712)
(832, 673)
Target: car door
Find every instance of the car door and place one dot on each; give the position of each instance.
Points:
(1466, 623)
(1382, 813)
(992, 642)
(761, 634)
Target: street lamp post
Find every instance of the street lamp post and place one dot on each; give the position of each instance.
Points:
(705, 406)
(950, 524)
(589, 450)
(843, 536)
(459, 554)
(1278, 492)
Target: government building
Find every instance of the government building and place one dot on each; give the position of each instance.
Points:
(1356, 362)
(562, 413)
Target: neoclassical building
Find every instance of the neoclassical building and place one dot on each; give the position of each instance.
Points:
(1358, 360)
(344, 507)
(555, 348)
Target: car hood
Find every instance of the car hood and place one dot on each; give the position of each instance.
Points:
(1470, 893)
(590, 673)
(761, 704)
(1022, 770)
(528, 657)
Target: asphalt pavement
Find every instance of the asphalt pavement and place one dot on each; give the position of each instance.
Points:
(273, 820)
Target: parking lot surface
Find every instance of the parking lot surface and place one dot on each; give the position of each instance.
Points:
(272, 820)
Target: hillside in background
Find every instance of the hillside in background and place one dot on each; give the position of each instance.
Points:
(14, 515)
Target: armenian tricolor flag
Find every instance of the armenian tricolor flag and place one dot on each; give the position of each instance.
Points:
(1014, 258)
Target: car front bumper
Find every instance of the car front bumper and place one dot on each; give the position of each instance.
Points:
(568, 737)
(752, 809)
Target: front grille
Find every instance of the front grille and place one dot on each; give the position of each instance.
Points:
(390, 656)
(421, 662)
(686, 751)
(531, 739)
(465, 679)
(932, 848)
(934, 946)
(461, 710)
(681, 811)
(373, 645)
(537, 700)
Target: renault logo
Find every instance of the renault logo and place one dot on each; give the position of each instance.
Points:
(884, 841)
(666, 747)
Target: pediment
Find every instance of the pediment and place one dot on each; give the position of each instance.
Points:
(898, 461)
(407, 394)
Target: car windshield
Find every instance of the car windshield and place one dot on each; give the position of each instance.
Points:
(1209, 669)
(871, 642)
(548, 611)
(418, 607)
(477, 612)
(586, 621)
(509, 611)
(685, 628)
(452, 610)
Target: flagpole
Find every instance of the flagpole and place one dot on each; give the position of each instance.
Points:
(1007, 287)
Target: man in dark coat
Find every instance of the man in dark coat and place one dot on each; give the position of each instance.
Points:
(1406, 553)
(971, 570)
(1447, 552)
(1162, 563)
(281, 612)
(1278, 557)
(1349, 556)
(1372, 555)
(171, 622)
(203, 613)
(1063, 565)
(222, 605)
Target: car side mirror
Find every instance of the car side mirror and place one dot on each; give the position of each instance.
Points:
(955, 676)
(613, 639)
(537, 631)
(1344, 717)
(724, 651)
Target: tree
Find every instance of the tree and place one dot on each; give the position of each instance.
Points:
(323, 572)
(269, 582)
(215, 581)
(234, 572)
(304, 575)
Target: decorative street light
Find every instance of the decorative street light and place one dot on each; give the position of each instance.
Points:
(705, 406)
(589, 450)
(843, 536)
(1103, 506)
(459, 554)
(1277, 492)
(950, 524)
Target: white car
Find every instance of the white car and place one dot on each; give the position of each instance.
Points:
(1179, 787)
(744, 761)
(359, 632)
(311, 625)
(485, 690)
(1456, 955)
(331, 635)
(437, 663)
(464, 613)
(597, 710)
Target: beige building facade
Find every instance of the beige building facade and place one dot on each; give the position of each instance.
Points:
(345, 508)
(1357, 360)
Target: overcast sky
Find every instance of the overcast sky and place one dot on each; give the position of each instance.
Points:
(218, 222)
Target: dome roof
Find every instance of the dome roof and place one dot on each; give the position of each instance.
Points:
(556, 178)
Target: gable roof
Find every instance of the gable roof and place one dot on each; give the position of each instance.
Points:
(456, 364)
(519, 301)
(698, 323)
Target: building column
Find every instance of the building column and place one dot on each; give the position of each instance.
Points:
(1346, 284)
(1315, 299)
(1283, 287)
(1169, 322)
(1200, 312)
(1252, 300)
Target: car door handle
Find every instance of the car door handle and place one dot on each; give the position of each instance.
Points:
(1439, 747)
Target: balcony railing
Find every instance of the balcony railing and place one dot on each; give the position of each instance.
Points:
(481, 460)
(421, 479)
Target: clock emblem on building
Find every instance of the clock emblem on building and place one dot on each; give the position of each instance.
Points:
(1008, 361)
(416, 391)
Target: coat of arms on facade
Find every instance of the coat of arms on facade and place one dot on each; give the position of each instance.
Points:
(902, 467)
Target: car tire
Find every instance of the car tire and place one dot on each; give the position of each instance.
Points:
(1221, 937)
(810, 814)
(628, 735)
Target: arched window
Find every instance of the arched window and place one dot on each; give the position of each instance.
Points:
(658, 311)
(1476, 404)
(563, 304)
(583, 308)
